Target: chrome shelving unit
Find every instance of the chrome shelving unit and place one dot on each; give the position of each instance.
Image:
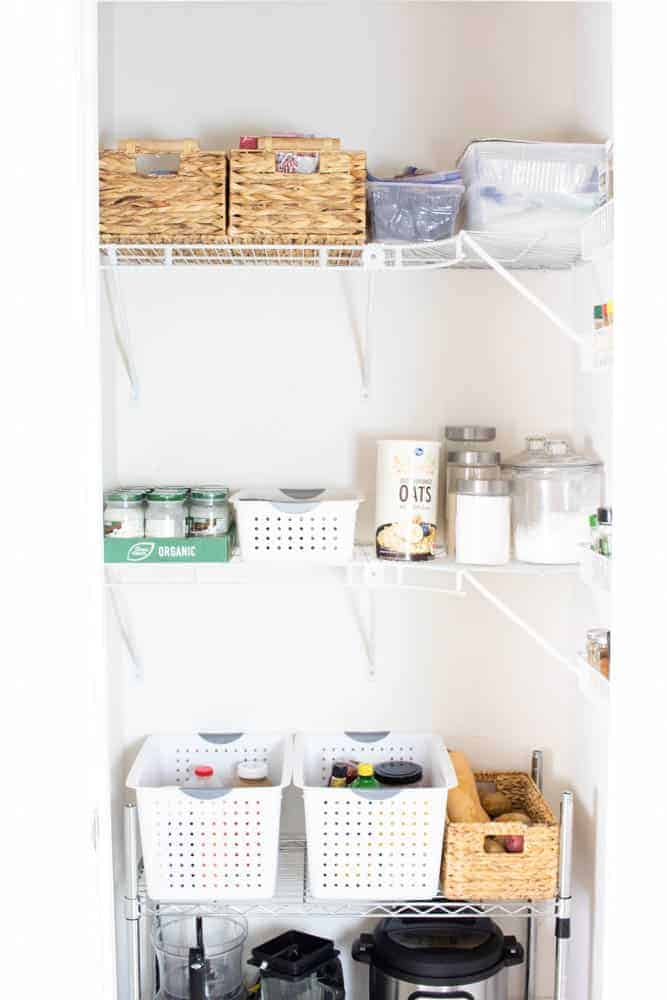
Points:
(294, 900)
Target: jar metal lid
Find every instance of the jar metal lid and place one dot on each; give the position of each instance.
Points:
(471, 432)
(167, 495)
(253, 770)
(210, 494)
(473, 457)
(598, 635)
(124, 496)
(484, 487)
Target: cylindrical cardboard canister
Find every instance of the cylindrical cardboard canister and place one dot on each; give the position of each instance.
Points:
(406, 499)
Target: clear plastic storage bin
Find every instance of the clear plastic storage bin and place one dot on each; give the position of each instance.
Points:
(202, 844)
(410, 212)
(298, 525)
(532, 186)
(380, 843)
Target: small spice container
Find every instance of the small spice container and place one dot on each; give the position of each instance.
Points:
(604, 520)
(166, 515)
(253, 774)
(209, 511)
(483, 508)
(124, 514)
(470, 465)
(598, 649)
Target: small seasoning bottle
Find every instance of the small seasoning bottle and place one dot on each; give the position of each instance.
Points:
(597, 649)
(166, 515)
(209, 511)
(365, 778)
(604, 520)
(204, 776)
(338, 777)
(253, 774)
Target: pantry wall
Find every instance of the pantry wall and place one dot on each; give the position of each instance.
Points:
(252, 378)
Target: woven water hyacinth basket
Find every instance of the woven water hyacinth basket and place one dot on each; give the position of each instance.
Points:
(327, 206)
(468, 872)
(187, 206)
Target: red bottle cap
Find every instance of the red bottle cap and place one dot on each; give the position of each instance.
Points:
(204, 771)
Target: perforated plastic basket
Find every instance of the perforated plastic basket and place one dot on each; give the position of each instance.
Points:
(315, 526)
(382, 843)
(206, 844)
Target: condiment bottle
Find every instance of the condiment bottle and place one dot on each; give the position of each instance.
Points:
(253, 774)
(204, 776)
(338, 777)
(365, 778)
(604, 520)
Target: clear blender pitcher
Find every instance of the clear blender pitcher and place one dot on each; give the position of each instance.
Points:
(297, 966)
(199, 957)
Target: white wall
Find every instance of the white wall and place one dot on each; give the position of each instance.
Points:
(252, 378)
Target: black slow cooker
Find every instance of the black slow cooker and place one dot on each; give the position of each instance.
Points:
(464, 957)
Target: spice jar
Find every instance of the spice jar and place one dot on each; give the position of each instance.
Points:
(604, 521)
(253, 774)
(466, 465)
(166, 515)
(124, 514)
(209, 511)
(483, 521)
(598, 642)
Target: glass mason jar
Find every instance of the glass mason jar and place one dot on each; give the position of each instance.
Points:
(166, 513)
(483, 521)
(554, 490)
(465, 465)
(209, 511)
(124, 514)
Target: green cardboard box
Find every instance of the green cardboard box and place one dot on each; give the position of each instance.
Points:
(203, 549)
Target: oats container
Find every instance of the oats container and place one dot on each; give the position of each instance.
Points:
(406, 500)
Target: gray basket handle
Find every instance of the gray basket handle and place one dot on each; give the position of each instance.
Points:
(220, 737)
(302, 494)
(295, 508)
(205, 793)
(376, 793)
(367, 737)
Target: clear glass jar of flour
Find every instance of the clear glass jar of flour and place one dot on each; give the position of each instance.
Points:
(465, 465)
(209, 511)
(124, 514)
(553, 492)
(166, 512)
(483, 521)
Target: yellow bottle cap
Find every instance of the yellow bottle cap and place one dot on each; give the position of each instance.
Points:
(365, 770)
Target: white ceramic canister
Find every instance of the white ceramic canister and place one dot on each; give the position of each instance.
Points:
(406, 499)
(483, 521)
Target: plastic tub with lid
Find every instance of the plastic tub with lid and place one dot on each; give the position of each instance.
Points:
(554, 490)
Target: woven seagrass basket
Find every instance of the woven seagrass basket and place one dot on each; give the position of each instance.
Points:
(468, 872)
(183, 207)
(267, 206)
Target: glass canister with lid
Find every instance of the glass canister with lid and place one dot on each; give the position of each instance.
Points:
(166, 513)
(553, 491)
(466, 465)
(209, 511)
(124, 513)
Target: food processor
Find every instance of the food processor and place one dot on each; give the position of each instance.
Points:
(199, 957)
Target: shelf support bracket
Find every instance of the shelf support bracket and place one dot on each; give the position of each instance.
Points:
(363, 328)
(513, 617)
(565, 328)
(125, 635)
(120, 326)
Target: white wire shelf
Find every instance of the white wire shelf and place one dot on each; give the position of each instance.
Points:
(554, 250)
(293, 899)
(593, 685)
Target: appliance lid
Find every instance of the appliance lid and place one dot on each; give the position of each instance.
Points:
(293, 955)
(426, 949)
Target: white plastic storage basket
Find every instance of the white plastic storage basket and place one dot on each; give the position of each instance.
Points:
(535, 187)
(380, 843)
(207, 844)
(315, 526)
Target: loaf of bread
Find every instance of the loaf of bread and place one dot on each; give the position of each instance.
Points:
(463, 805)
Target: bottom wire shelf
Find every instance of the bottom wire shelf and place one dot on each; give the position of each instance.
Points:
(293, 899)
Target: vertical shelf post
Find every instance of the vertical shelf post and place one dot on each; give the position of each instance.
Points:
(536, 773)
(563, 930)
(132, 908)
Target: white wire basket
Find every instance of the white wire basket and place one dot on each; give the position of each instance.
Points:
(202, 844)
(380, 843)
(314, 526)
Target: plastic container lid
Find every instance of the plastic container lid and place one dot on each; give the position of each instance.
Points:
(209, 494)
(398, 772)
(339, 771)
(473, 457)
(253, 770)
(484, 487)
(554, 454)
(204, 771)
(473, 432)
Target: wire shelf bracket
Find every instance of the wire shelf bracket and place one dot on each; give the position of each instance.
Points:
(120, 327)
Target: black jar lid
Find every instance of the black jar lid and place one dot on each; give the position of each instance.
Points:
(293, 955)
(439, 951)
(604, 515)
(398, 772)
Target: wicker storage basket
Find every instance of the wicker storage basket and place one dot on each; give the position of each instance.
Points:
(267, 206)
(468, 872)
(183, 207)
